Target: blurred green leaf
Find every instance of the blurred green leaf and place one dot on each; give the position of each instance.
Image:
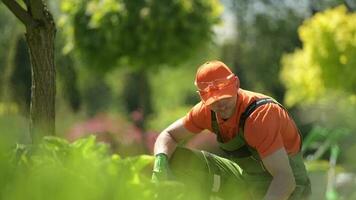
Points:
(139, 34)
(81, 170)
(327, 59)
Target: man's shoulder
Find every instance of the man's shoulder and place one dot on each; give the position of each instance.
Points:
(198, 118)
(251, 95)
(246, 97)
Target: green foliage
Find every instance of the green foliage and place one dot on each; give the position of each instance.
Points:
(322, 139)
(333, 118)
(138, 33)
(164, 117)
(327, 59)
(173, 94)
(320, 79)
(56, 169)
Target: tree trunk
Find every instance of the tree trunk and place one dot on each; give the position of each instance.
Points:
(137, 95)
(40, 34)
(40, 40)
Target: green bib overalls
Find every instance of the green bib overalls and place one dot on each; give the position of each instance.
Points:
(240, 170)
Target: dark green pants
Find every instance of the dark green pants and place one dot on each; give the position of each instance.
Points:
(211, 175)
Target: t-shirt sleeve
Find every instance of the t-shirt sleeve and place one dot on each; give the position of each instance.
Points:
(263, 129)
(195, 120)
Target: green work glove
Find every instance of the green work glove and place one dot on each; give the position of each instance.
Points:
(160, 168)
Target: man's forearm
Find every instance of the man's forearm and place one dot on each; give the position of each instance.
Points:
(280, 188)
(165, 144)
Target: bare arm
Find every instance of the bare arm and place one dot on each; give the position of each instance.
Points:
(283, 182)
(169, 138)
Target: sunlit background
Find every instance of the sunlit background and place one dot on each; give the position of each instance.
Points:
(125, 70)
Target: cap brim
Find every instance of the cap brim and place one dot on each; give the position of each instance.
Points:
(220, 94)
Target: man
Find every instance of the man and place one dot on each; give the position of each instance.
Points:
(260, 142)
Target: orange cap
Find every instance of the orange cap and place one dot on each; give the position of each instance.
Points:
(215, 81)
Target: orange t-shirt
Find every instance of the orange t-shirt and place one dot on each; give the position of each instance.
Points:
(268, 128)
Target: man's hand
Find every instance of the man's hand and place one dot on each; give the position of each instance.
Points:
(165, 145)
(160, 168)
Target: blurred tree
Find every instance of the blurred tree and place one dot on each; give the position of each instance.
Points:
(321, 79)
(318, 6)
(137, 96)
(68, 78)
(326, 61)
(265, 30)
(15, 66)
(97, 93)
(9, 64)
(8, 31)
(40, 34)
(20, 79)
(141, 34)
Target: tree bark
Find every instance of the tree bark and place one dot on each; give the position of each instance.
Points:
(40, 40)
(40, 35)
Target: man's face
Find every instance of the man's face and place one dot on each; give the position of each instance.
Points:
(224, 107)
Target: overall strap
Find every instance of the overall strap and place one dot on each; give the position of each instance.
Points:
(248, 111)
(252, 107)
(215, 126)
(247, 157)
